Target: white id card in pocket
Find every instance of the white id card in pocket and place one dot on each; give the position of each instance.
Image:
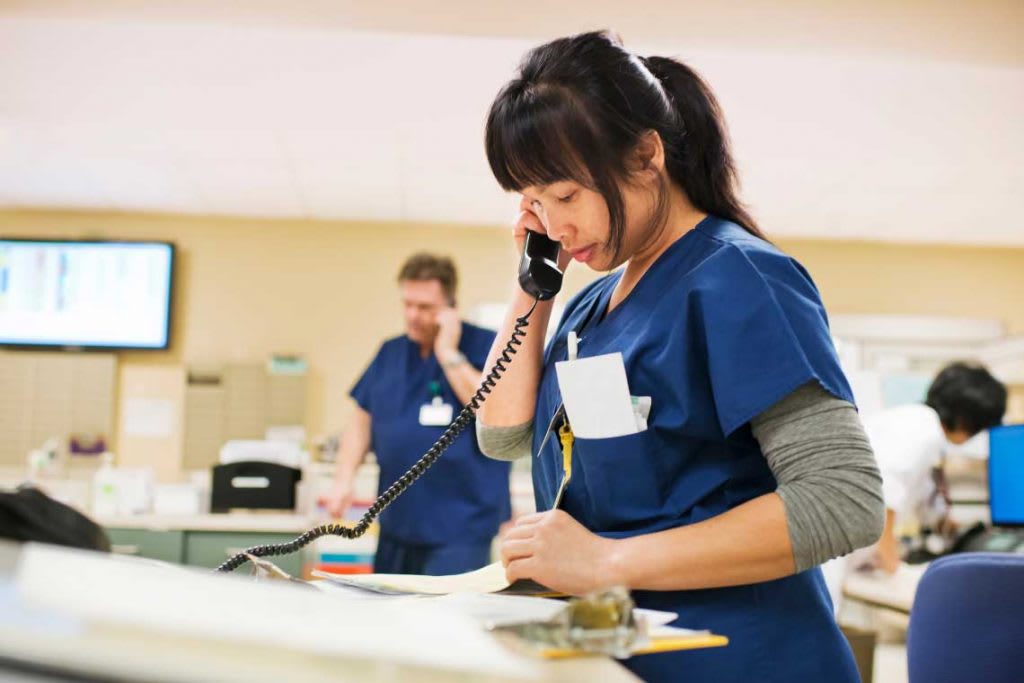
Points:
(437, 413)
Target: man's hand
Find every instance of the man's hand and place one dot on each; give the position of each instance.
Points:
(449, 332)
(338, 501)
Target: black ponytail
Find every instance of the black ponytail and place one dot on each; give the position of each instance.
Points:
(577, 111)
(700, 160)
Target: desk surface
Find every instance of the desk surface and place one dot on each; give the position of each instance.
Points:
(165, 658)
(48, 623)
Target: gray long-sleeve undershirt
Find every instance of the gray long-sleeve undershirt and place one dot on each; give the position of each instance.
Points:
(816, 447)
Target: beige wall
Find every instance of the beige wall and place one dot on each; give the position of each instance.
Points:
(865, 277)
(247, 288)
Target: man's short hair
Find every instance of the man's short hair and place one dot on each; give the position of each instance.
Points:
(422, 267)
(967, 397)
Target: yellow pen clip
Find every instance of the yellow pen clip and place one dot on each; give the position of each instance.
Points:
(566, 437)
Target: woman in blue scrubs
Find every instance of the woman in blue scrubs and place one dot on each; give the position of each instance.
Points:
(722, 507)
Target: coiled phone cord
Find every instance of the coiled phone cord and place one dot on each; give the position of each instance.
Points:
(463, 420)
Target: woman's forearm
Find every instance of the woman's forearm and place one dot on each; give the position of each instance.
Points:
(512, 400)
(748, 544)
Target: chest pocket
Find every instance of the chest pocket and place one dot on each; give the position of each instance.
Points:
(628, 480)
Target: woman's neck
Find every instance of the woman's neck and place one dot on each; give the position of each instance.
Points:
(681, 218)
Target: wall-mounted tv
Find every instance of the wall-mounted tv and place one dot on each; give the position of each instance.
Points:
(85, 294)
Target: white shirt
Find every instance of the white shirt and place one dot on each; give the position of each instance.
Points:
(908, 442)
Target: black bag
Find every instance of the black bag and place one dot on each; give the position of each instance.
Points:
(28, 514)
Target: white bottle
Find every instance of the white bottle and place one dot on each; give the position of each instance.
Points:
(104, 488)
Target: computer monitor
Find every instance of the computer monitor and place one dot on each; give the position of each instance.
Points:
(85, 294)
(1006, 475)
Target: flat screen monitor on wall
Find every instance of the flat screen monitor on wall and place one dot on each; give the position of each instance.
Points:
(85, 294)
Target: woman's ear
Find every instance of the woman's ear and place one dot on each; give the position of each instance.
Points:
(648, 158)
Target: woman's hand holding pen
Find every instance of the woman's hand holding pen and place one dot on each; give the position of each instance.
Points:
(556, 551)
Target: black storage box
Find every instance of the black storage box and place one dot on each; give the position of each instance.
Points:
(254, 484)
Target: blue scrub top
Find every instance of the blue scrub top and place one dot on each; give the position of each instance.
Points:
(721, 327)
(464, 497)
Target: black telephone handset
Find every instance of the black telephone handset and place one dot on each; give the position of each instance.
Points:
(539, 274)
(541, 278)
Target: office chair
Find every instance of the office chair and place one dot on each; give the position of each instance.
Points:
(967, 621)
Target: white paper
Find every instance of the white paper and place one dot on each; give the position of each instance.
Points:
(675, 632)
(148, 417)
(495, 610)
(655, 617)
(596, 396)
(489, 579)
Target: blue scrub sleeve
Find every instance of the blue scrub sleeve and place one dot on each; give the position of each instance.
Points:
(765, 334)
(362, 391)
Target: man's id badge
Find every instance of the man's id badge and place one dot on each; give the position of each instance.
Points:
(437, 413)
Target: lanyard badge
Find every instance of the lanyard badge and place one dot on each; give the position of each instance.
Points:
(437, 413)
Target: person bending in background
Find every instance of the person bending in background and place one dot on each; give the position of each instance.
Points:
(411, 391)
(910, 442)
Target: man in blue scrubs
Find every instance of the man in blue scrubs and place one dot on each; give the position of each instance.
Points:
(415, 385)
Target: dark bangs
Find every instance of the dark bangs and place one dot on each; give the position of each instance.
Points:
(533, 138)
(537, 135)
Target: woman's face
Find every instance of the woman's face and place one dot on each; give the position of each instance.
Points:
(578, 218)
